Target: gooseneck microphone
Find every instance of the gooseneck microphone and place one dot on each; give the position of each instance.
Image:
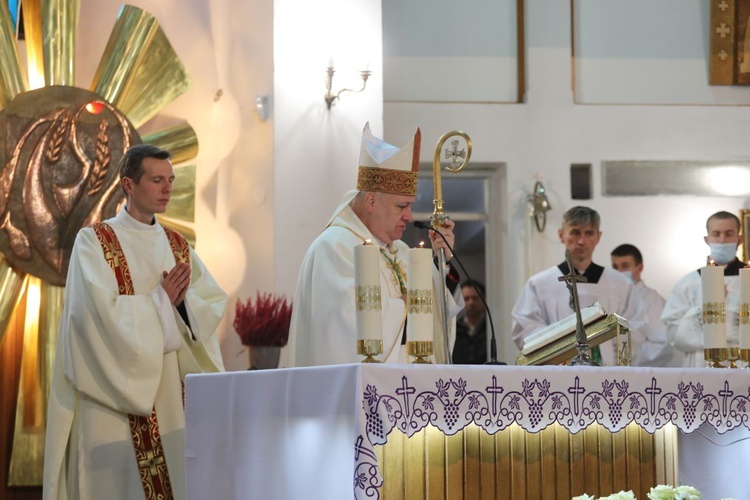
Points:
(493, 343)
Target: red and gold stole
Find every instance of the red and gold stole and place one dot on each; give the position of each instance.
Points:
(149, 453)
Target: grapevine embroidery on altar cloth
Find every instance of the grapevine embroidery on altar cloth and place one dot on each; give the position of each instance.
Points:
(409, 404)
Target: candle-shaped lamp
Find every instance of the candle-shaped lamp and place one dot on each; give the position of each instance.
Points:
(745, 308)
(368, 301)
(714, 307)
(419, 303)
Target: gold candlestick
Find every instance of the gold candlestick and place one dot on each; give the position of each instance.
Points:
(421, 350)
(744, 356)
(369, 348)
(715, 356)
(733, 354)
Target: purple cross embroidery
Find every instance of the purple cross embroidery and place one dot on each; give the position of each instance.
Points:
(576, 390)
(404, 391)
(360, 448)
(725, 393)
(494, 389)
(653, 391)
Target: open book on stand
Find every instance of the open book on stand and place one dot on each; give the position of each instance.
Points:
(556, 343)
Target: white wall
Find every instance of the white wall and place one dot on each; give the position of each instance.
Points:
(316, 149)
(549, 132)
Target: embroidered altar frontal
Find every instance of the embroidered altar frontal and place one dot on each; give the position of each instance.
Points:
(454, 432)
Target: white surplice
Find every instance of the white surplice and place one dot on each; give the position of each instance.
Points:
(124, 354)
(545, 300)
(657, 351)
(683, 315)
(323, 329)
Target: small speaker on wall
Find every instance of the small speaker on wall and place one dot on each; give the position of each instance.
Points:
(580, 181)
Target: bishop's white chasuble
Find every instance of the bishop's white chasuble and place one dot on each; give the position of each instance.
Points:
(323, 329)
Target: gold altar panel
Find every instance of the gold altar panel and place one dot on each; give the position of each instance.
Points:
(516, 464)
(414, 455)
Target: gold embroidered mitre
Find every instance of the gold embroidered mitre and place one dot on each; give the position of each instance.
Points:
(386, 168)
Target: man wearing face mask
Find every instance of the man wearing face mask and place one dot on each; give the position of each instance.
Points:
(683, 317)
(683, 311)
(655, 351)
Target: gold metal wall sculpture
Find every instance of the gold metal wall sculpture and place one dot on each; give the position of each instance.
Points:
(56, 177)
(59, 148)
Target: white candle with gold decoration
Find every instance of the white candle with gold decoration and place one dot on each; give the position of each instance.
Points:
(714, 307)
(745, 308)
(419, 301)
(367, 292)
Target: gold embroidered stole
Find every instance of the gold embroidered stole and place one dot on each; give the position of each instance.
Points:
(149, 453)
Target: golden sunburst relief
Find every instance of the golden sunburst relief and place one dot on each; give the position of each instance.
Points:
(59, 147)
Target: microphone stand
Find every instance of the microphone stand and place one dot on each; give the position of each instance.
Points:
(493, 342)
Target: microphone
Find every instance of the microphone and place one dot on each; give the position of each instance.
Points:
(493, 343)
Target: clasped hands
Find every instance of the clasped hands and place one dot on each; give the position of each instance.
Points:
(176, 282)
(438, 242)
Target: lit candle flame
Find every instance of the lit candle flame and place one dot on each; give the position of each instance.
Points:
(367, 242)
(421, 244)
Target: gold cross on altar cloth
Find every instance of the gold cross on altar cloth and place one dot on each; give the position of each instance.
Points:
(151, 461)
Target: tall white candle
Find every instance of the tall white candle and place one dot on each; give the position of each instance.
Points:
(367, 293)
(744, 308)
(420, 299)
(714, 307)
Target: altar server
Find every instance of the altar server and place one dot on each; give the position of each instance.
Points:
(683, 317)
(141, 311)
(323, 327)
(684, 308)
(628, 260)
(545, 300)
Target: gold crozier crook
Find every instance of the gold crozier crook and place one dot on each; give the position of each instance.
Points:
(441, 346)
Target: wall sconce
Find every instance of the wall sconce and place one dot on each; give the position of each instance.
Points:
(330, 97)
(539, 205)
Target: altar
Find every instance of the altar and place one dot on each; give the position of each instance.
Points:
(439, 431)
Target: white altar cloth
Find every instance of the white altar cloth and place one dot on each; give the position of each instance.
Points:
(310, 432)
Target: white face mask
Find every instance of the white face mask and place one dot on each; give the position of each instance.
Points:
(723, 253)
(629, 275)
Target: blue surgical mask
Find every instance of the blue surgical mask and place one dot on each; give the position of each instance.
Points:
(723, 253)
(629, 275)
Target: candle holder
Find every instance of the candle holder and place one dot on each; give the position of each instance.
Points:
(744, 358)
(421, 350)
(715, 356)
(733, 354)
(370, 348)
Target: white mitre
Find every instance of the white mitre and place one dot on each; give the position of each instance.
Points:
(385, 168)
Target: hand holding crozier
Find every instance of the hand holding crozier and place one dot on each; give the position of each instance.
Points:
(438, 242)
